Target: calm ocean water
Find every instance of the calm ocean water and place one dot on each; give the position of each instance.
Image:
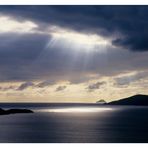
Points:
(67, 123)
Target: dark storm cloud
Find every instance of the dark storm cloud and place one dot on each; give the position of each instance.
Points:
(18, 45)
(60, 88)
(95, 86)
(17, 54)
(135, 43)
(127, 23)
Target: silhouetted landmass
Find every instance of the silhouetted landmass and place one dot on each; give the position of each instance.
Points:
(133, 100)
(101, 102)
(14, 111)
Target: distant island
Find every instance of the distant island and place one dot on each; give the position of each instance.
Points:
(14, 111)
(138, 100)
(101, 102)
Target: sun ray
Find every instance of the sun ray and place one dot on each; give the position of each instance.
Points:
(79, 41)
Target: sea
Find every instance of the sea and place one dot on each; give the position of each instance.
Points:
(74, 123)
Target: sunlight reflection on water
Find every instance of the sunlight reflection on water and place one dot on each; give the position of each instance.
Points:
(78, 109)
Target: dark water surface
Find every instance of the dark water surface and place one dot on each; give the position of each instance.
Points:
(76, 124)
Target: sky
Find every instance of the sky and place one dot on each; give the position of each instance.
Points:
(73, 53)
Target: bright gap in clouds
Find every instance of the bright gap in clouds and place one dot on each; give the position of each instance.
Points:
(77, 41)
(61, 37)
(7, 24)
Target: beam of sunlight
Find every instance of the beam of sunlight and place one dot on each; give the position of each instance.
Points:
(77, 41)
(78, 110)
(76, 47)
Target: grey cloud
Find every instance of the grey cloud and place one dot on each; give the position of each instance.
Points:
(95, 86)
(126, 80)
(25, 85)
(60, 88)
(8, 88)
(45, 83)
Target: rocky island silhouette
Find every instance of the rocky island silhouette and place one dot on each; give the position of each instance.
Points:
(136, 100)
(14, 111)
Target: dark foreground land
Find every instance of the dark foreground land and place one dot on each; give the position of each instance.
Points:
(136, 100)
(14, 111)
